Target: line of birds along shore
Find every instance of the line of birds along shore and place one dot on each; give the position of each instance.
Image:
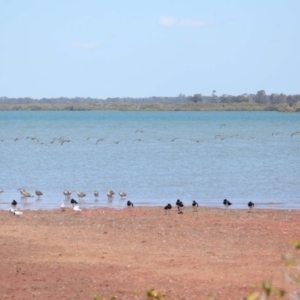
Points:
(179, 204)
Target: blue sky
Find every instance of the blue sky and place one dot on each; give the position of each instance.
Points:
(145, 48)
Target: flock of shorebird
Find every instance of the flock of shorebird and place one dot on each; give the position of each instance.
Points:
(67, 193)
(179, 204)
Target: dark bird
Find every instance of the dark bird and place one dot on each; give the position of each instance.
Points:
(167, 208)
(297, 132)
(14, 204)
(73, 202)
(180, 206)
(38, 193)
(172, 140)
(222, 125)
(139, 130)
(195, 205)
(250, 205)
(99, 140)
(129, 204)
(226, 203)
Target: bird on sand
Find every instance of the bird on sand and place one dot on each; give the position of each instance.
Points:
(226, 203)
(16, 212)
(250, 205)
(14, 204)
(129, 204)
(195, 205)
(76, 208)
(73, 202)
(63, 206)
(180, 206)
(168, 208)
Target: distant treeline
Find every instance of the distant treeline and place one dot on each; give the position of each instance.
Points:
(258, 101)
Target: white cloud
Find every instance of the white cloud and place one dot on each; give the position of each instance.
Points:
(173, 22)
(80, 45)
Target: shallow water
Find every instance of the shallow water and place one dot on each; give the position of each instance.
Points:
(155, 157)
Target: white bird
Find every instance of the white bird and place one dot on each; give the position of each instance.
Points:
(110, 193)
(80, 194)
(25, 194)
(96, 194)
(16, 212)
(62, 206)
(122, 194)
(38, 193)
(76, 208)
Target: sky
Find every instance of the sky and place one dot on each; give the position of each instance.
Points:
(143, 48)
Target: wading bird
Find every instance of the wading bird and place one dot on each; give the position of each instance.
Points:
(96, 194)
(38, 193)
(14, 204)
(110, 193)
(80, 194)
(67, 193)
(122, 194)
(73, 202)
(25, 194)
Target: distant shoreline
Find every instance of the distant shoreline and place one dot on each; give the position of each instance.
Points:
(94, 106)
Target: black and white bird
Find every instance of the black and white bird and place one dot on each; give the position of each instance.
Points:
(250, 205)
(195, 205)
(14, 204)
(96, 194)
(168, 208)
(129, 204)
(73, 202)
(180, 206)
(226, 203)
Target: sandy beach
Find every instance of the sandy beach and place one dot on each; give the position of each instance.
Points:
(224, 253)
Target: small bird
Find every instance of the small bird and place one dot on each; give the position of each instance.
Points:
(24, 193)
(67, 193)
(180, 206)
(168, 208)
(1, 191)
(96, 194)
(226, 203)
(129, 204)
(38, 193)
(14, 204)
(73, 202)
(63, 206)
(110, 193)
(76, 208)
(195, 205)
(16, 212)
(122, 194)
(80, 194)
(250, 205)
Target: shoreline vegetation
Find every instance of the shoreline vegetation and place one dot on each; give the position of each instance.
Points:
(245, 102)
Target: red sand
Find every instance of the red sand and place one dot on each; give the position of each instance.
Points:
(106, 252)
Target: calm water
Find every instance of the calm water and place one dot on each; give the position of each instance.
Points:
(155, 157)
